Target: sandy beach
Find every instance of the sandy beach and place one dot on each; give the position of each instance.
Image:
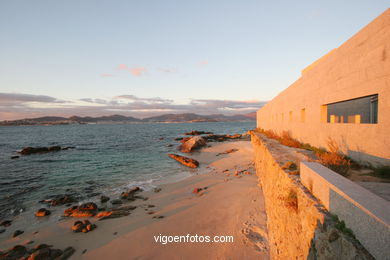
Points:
(230, 203)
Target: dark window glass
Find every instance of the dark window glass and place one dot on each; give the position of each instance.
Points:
(362, 110)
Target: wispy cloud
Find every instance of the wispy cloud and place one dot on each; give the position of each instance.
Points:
(7, 98)
(106, 75)
(25, 105)
(167, 70)
(137, 71)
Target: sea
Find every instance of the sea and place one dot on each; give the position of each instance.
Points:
(106, 160)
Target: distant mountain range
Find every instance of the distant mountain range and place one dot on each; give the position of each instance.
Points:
(119, 119)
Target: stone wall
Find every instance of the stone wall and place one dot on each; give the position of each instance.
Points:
(299, 227)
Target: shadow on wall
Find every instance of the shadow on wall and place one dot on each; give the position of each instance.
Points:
(332, 239)
(365, 157)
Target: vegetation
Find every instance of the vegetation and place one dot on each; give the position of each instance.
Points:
(292, 200)
(333, 159)
(382, 172)
(340, 225)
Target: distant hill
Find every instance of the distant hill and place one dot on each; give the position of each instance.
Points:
(166, 118)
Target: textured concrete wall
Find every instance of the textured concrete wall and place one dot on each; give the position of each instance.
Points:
(304, 231)
(360, 67)
(364, 212)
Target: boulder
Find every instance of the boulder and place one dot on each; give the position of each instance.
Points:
(88, 209)
(16, 252)
(68, 252)
(185, 160)
(84, 227)
(193, 143)
(129, 195)
(42, 212)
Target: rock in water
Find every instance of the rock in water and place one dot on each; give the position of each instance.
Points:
(88, 209)
(42, 212)
(184, 160)
(192, 144)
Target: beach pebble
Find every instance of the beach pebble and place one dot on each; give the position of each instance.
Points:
(116, 202)
(157, 190)
(129, 195)
(15, 157)
(159, 216)
(84, 227)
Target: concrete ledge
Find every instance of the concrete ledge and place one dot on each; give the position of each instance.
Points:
(367, 214)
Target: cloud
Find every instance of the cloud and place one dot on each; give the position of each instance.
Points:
(106, 75)
(147, 100)
(129, 105)
(7, 98)
(138, 71)
(167, 70)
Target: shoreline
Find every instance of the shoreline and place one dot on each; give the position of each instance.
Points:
(231, 205)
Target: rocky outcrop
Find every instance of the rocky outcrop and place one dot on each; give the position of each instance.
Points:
(192, 144)
(185, 160)
(298, 225)
(37, 150)
(88, 209)
(42, 212)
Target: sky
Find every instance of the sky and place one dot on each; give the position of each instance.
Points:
(150, 57)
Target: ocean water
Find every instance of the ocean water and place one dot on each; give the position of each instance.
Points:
(106, 160)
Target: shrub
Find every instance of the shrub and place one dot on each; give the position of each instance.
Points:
(288, 140)
(334, 159)
(382, 172)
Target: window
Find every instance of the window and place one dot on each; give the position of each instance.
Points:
(363, 110)
(291, 116)
(282, 117)
(302, 115)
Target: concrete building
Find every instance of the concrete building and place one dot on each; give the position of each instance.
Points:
(345, 95)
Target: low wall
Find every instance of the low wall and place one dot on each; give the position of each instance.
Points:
(364, 212)
(299, 227)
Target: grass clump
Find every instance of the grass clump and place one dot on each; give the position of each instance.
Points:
(334, 159)
(340, 225)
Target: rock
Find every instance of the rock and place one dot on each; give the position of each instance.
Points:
(113, 214)
(228, 151)
(16, 252)
(158, 216)
(104, 199)
(59, 200)
(129, 195)
(178, 138)
(197, 133)
(116, 202)
(197, 190)
(84, 227)
(193, 143)
(43, 212)
(34, 150)
(88, 209)
(54, 253)
(2, 231)
(6, 223)
(161, 138)
(40, 254)
(68, 252)
(185, 160)
(157, 190)
(15, 157)
(169, 145)
(17, 233)
(185, 139)
(333, 236)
